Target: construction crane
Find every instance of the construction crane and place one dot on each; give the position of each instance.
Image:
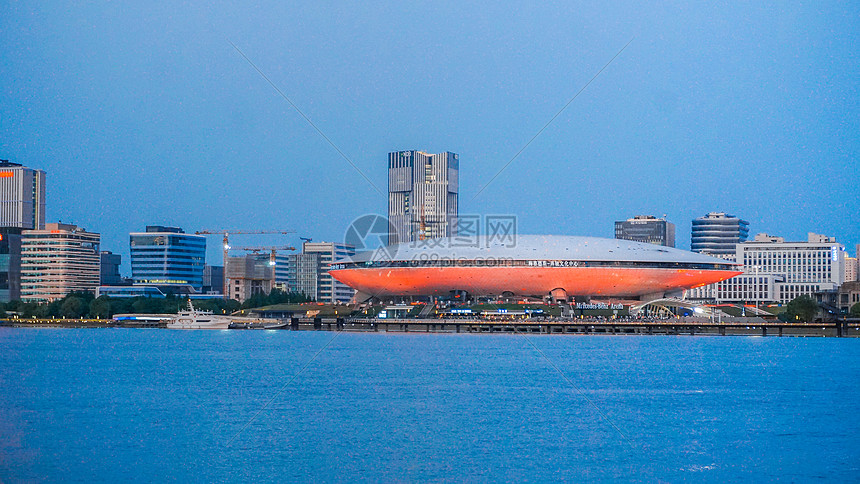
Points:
(273, 254)
(226, 246)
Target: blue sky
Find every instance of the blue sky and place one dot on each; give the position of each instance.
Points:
(145, 114)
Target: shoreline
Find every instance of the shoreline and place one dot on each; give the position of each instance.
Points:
(582, 327)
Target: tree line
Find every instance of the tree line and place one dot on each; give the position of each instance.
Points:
(85, 305)
(806, 309)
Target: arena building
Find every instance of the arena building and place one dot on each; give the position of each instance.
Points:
(562, 267)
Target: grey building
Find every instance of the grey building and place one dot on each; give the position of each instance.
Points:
(717, 234)
(299, 273)
(10, 264)
(109, 273)
(307, 273)
(22, 207)
(22, 196)
(213, 279)
(646, 228)
(423, 191)
(330, 290)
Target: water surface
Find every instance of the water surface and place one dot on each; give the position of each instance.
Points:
(154, 405)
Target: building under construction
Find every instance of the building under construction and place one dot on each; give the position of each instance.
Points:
(248, 275)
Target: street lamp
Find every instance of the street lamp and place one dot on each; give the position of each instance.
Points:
(756, 288)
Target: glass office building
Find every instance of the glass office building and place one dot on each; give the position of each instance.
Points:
(10, 264)
(648, 229)
(167, 256)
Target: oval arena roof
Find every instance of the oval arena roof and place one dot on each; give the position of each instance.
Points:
(534, 247)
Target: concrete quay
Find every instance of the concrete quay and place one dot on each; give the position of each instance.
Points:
(683, 326)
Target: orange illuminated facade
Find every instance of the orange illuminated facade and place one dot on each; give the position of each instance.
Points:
(527, 281)
(590, 267)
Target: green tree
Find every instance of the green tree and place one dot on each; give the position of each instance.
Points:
(146, 305)
(13, 305)
(855, 311)
(276, 296)
(52, 309)
(27, 310)
(120, 305)
(72, 307)
(43, 311)
(100, 308)
(802, 308)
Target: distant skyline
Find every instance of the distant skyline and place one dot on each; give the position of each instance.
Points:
(144, 114)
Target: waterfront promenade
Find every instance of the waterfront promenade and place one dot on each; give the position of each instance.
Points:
(675, 326)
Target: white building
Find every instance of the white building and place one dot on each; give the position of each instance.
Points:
(779, 271)
(423, 191)
(60, 259)
(851, 269)
(22, 196)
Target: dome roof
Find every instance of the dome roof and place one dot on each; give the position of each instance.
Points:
(533, 247)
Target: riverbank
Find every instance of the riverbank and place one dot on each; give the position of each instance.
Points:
(685, 326)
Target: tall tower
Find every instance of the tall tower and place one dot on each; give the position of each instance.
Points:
(423, 193)
(22, 207)
(717, 234)
(22, 197)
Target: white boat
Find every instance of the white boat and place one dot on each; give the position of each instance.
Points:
(194, 319)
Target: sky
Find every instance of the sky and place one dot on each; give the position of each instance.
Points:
(143, 113)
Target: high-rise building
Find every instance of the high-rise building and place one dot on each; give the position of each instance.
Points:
(851, 269)
(328, 289)
(22, 207)
(22, 196)
(57, 260)
(717, 234)
(779, 271)
(10, 264)
(423, 191)
(646, 228)
(110, 263)
(213, 279)
(299, 273)
(167, 256)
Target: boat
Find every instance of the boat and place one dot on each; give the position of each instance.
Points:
(193, 318)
